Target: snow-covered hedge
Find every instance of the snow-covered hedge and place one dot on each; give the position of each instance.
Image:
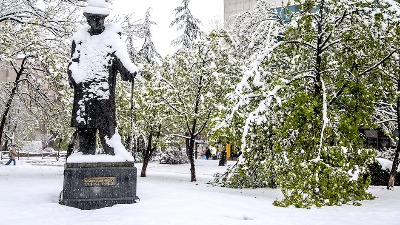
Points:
(173, 157)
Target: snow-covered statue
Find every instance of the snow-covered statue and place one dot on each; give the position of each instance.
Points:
(98, 54)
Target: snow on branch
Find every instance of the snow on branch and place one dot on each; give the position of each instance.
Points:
(179, 135)
(263, 106)
(324, 117)
(161, 78)
(380, 62)
(302, 43)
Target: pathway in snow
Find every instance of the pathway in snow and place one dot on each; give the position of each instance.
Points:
(29, 196)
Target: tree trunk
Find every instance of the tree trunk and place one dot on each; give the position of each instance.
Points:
(10, 99)
(150, 150)
(222, 161)
(144, 168)
(190, 149)
(146, 155)
(395, 164)
(393, 172)
(191, 158)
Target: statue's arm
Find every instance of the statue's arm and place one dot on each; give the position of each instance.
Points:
(126, 68)
(126, 75)
(70, 79)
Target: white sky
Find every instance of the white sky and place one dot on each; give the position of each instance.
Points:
(208, 11)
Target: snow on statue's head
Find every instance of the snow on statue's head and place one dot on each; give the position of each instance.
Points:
(97, 7)
(95, 12)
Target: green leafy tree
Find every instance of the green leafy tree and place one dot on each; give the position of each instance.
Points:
(309, 95)
(387, 109)
(193, 83)
(153, 119)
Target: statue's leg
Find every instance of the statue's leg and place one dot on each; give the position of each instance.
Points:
(87, 140)
(107, 131)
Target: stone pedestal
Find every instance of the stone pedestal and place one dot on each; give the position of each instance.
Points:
(96, 185)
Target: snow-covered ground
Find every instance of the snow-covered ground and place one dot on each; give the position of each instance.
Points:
(29, 196)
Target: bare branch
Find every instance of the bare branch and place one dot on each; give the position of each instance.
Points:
(302, 43)
(379, 63)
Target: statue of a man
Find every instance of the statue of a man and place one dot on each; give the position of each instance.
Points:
(98, 53)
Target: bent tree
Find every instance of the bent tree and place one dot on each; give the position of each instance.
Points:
(315, 89)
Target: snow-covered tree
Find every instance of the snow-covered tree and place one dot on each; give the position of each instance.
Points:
(40, 13)
(329, 74)
(148, 50)
(193, 83)
(184, 20)
(387, 109)
(308, 95)
(251, 35)
(254, 35)
(133, 32)
(153, 119)
(34, 47)
(127, 95)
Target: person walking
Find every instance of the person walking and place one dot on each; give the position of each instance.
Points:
(12, 153)
(208, 153)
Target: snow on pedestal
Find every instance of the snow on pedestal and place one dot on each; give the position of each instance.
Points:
(121, 154)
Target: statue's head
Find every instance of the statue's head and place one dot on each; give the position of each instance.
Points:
(95, 12)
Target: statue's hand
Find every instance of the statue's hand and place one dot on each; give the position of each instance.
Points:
(72, 83)
(132, 76)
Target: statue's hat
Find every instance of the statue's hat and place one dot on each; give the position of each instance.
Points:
(97, 7)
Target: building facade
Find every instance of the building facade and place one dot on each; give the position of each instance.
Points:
(234, 7)
(6, 73)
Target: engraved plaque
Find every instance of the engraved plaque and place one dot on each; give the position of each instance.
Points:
(99, 181)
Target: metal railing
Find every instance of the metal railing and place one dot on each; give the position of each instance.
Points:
(2, 153)
(57, 155)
